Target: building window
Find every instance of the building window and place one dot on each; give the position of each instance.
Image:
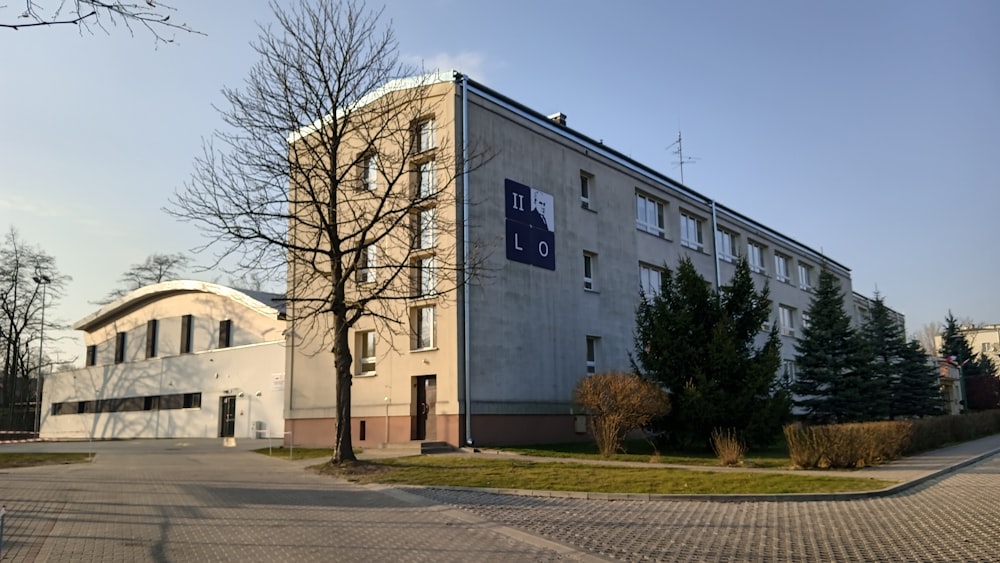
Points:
(192, 400)
(369, 172)
(424, 135)
(806, 319)
(92, 355)
(425, 229)
(790, 370)
(225, 333)
(755, 255)
(805, 277)
(592, 354)
(426, 180)
(425, 277)
(119, 347)
(725, 245)
(152, 328)
(691, 232)
(187, 327)
(423, 328)
(649, 216)
(586, 181)
(781, 268)
(366, 352)
(650, 280)
(786, 320)
(366, 265)
(589, 269)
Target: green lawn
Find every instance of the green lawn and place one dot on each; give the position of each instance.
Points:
(775, 457)
(9, 460)
(469, 471)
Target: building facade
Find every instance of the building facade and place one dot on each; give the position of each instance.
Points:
(565, 234)
(178, 359)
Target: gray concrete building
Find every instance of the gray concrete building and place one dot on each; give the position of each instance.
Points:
(567, 231)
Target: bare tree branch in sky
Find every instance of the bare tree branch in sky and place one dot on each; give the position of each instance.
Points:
(152, 15)
(155, 269)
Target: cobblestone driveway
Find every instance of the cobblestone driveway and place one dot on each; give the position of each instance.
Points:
(167, 502)
(955, 518)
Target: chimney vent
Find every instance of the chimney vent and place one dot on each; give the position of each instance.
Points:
(558, 119)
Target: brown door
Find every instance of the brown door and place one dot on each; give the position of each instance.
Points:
(425, 399)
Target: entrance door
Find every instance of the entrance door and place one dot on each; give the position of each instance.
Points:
(425, 399)
(227, 416)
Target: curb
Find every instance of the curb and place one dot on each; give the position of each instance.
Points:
(788, 497)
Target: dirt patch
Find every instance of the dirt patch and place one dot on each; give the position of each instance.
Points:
(349, 469)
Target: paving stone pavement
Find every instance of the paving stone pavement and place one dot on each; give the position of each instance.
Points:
(167, 501)
(170, 500)
(951, 518)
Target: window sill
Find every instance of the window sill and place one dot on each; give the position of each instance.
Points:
(591, 290)
(587, 207)
(662, 236)
(431, 349)
(366, 374)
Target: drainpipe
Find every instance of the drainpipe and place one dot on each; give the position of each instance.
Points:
(715, 247)
(465, 258)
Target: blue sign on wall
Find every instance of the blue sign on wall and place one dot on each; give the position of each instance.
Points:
(531, 237)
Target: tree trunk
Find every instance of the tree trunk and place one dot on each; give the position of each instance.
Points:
(343, 449)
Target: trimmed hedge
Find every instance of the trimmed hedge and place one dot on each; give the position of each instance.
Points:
(860, 444)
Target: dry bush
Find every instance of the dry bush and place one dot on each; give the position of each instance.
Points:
(847, 445)
(619, 403)
(934, 432)
(728, 447)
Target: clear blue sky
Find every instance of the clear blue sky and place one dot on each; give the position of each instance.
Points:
(870, 130)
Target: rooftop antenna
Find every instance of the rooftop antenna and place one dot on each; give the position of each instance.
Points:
(678, 147)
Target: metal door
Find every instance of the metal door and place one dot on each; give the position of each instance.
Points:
(425, 399)
(227, 416)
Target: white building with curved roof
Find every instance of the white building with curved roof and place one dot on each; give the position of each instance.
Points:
(178, 359)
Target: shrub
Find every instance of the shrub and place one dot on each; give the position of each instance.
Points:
(846, 445)
(867, 443)
(728, 447)
(619, 403)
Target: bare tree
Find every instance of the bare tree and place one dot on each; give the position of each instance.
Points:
(23, 271)
(926, 337)
(155, 269)
(152, 15)
(316, 175)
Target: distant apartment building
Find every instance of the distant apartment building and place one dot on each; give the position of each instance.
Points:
(178, 359)
(569, 232)
(983, 392)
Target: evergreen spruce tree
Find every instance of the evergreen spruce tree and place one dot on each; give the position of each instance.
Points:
(918, 392)
(755, 397)
(883, 344)
(673, 330)
(701, 344)
(831, 379)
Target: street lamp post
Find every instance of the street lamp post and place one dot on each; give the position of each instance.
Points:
(44, 281)
(961, 373)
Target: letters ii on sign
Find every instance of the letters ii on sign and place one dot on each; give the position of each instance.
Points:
(531, 237)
